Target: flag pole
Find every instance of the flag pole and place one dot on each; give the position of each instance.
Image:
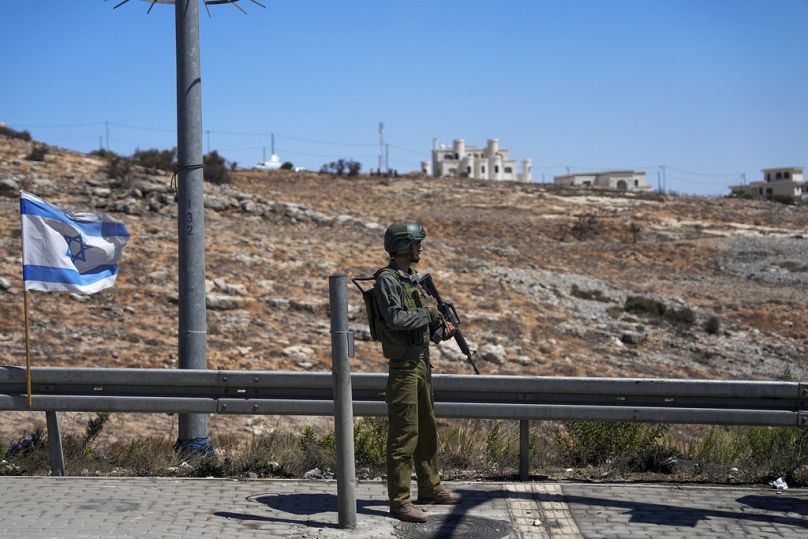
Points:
(27, 349)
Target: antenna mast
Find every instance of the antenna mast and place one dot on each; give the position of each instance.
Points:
(382, 160)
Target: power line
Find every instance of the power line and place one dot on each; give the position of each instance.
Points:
(55, 126)
(407, 149)
(142, 128)
(323, 141)
(696, 182)
(734, 174)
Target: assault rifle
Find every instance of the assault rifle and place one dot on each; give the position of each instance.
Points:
(448, 312)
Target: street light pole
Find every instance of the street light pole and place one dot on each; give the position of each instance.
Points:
(193, 428)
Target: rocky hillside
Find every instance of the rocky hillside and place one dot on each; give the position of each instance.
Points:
(547, 281)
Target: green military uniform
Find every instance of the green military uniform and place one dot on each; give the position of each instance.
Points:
(412, 438)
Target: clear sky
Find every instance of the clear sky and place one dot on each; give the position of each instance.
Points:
(712, 89)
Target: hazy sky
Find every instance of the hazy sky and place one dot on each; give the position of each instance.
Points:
(710, 88)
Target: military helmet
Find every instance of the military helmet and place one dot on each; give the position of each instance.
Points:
(401, 235)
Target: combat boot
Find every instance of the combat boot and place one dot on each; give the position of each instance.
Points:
(408, 513)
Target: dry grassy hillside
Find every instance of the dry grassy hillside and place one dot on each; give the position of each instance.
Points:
(543, 278)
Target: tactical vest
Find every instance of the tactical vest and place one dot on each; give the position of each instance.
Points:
(397, 344)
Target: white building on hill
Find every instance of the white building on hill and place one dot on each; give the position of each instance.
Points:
(783, 181)
(620, 180)
(489, 163)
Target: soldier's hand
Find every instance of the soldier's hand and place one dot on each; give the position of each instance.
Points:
(448, 329)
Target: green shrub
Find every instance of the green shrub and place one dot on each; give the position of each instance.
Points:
(596, 442)
(287, 165)
(342, 166)
(788, 200)
(103, 153)
(215, 169)
(645, 306)
(38, 153)
(370, 441)
(502, 444)
(94, 427)
(761, 452)
(585, 226)
(655, 309)
(592, 295)
(743, 195)
(713, 325)
(317, 452)
(119, 168)
(13, 133)
(154, 158)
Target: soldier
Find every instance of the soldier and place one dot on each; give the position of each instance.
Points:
(405, 328)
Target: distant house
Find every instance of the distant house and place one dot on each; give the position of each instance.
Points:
(620, 180)
(274, 163)
(784, 181)
(489, 163)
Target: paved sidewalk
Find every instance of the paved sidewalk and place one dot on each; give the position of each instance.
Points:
(47, 507)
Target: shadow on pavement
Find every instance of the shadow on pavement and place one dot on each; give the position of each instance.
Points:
(782, 504)
(304, 505)
(678, 515)
(450, 524)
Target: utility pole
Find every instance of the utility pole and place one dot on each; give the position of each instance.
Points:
(193, 428)
(658, 181)
(272, 137)
(382, 163)
(106, 125)
(664, 178)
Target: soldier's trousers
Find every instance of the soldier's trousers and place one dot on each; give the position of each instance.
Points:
(412, 436)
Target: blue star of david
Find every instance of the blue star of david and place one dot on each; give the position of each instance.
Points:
(79, 251)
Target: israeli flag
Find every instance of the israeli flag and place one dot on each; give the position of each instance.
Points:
(64, 251)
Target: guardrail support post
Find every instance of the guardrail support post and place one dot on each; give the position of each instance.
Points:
(55, 443)
(524, 449)
(343, 403)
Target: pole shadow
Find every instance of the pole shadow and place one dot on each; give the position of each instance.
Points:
(303, 505)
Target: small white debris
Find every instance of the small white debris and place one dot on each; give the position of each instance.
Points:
(779, 483)
(537, 522)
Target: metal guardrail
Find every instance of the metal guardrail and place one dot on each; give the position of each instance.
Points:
(458, 396)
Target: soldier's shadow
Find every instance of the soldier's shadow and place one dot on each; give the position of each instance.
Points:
(304, 505)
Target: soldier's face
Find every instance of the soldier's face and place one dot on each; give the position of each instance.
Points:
(415, 251)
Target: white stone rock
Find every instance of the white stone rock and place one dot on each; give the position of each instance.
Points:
(224, 302)
(494, 353)
(299, 353)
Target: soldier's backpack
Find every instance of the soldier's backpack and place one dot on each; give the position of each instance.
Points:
(371, 307)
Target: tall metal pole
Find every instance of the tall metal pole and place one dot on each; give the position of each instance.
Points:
(343, 405)
(191, 216)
